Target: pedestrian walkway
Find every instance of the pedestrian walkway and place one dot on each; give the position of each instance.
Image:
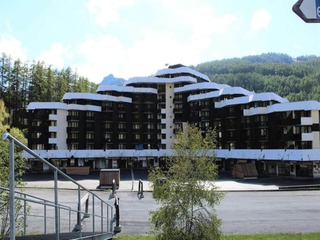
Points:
(225, 182)
(127, 185)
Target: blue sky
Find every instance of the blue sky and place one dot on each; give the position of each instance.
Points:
(130, 38)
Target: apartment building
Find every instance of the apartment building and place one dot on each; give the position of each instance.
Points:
(132, 123)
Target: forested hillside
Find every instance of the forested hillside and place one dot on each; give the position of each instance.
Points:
(23, 82)
(296, 79)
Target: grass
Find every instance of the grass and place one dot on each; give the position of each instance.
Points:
(279, 236)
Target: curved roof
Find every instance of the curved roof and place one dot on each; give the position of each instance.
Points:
(129, 89)
(97, 97)
(224, 91)
(46, 105)
(251, 98)
(62, 106)
(201, 86)
(158, 80)
(284, 107)
(179, 70)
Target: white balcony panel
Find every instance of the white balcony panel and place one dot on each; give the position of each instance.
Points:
(53, 129)
(306, 121)
(164, 121)
(163, 131)
(163, 141)
(53, 117)
(53, 140)
(307, 137)
(163, 111)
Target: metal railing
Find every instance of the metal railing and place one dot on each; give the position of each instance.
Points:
(100, 214)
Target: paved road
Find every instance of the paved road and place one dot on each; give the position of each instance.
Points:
(240, 212)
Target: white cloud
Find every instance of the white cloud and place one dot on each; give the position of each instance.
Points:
(185, 37)
(55, 55)
(12, 46)
(260, 19)
(157, 49)
(102, 55)
(106, 11)
(105, 55)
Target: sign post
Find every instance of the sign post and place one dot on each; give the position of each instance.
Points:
(308, 10)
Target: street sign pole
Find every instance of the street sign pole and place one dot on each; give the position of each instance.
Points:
(308, 10)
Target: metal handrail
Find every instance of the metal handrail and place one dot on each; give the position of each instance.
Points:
(55, 203)
(27, 198)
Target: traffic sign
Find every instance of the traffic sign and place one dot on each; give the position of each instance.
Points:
(308, 10)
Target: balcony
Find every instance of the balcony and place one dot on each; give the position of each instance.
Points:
(53, 117)
(53, 129)
(307, 136)
(306, 121)
(53, 140)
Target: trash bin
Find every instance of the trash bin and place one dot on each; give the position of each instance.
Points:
(106, 177)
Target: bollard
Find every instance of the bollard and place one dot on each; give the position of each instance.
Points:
(113, 188)
(117, 228)
(140, 189)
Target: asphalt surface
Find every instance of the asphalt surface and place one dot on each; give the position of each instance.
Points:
(249, 205)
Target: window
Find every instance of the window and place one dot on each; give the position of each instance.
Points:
(53, 123)
(90, 114)
(73, 124)
(121, 126)
(136, 126)
(89, 146)
(38, 147)
(73, 113)
(122, 146)
(108, 104)
(264, 145)
(36, 135)
(74, 136)
(285, 130)
(107, 136)
(137, 136)
(53, 135)
(205, 114)
(36, 123)
(150, 126)
(90, 135)
(263, 132)
(74, 146)
(306, 129)
(122, 136)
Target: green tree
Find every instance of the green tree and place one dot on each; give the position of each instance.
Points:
(4, 176)
(187, 192)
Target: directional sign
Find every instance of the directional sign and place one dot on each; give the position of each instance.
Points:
(308, 10)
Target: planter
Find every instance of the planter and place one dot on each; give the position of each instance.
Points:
(78, 170)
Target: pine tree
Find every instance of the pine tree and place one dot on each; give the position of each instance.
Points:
(186, 191)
